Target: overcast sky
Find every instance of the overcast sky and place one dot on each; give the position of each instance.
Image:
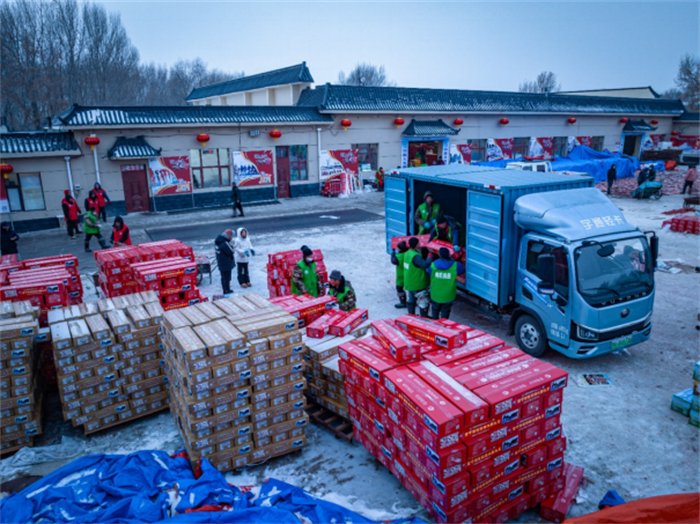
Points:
(464, 45)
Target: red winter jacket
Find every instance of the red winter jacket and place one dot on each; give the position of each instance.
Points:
(70, 210)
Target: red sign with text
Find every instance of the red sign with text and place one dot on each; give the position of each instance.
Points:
(253, 168)
(466, 151)
(170, 175)
(585, 140)
(691, 140)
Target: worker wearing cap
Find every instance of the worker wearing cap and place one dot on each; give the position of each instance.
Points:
(305, 276)
(443, 283)
(446, 229)
(397, 260)
(426, 214)
(416, 280)
(342, 291)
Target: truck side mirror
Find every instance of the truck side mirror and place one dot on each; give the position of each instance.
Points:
(545, 272)
(654, 244)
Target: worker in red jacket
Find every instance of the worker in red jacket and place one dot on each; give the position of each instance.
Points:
(70, 212)
(102, 201)
(121, 236)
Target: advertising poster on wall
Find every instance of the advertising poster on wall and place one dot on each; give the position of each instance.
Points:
(686, 141)
(339, 166)
(170, 175)
(541, 148)
(460, 154)
(253, 168)
(656, 139)
(574, 141)
(646, 143)
(499, 149)
(4, 204)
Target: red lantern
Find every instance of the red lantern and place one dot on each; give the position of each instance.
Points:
(92, 141)
(458, 122)
(624, 120)
(399, 122)
(571, 120)
(203, 138)
(275, 133)
(6, 169)
(654, 122)
(346, 122)
(675, 133)
(504, 121)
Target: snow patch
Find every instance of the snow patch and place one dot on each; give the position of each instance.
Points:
(358, 506)
(74, 477)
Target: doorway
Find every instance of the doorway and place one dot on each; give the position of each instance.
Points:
(631, 147)
(424, 153)
(282, 157)
(135, 183)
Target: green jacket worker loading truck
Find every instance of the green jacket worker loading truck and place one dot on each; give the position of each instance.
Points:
(550, 250)
(426, 214)
(305, 276)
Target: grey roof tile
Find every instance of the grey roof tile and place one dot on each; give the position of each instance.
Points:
(429, 128)
(132, 148)
(689, 116)
(37, 142)
(638, 125)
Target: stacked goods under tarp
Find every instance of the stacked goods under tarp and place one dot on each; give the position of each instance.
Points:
(235, 366)
(173, 279)
(687, 402)
(48, 282)
(20, 383)
(470, 426)
(109, 360)
(279, 271)
(115, 270)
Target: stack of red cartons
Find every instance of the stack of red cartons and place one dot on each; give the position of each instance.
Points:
(305, 308)
(684, 224)
(174, 279)
(115, 265)
(279, 271)
(470, 426)
(423, 240)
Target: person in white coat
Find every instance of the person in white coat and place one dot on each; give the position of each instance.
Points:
(244, 250)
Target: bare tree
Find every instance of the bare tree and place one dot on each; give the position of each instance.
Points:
(546, 82)
(688, 82)
(365, 75)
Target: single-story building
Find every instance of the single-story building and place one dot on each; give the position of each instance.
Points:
(274, 134)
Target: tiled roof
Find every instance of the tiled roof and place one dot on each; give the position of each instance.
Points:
(288, 75)
(638, 125)
(429, 128)
(132, 148)
(688, 116)
(80, 116)
(311, 97)
(37, 142)
(344, 98)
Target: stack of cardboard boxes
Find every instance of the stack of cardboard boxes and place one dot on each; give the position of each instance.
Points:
(470, 426)
(20, 393)
(687, 402)
(235, 367)
(279, 271)
(109, 362)
(173, 279)
(115, 270)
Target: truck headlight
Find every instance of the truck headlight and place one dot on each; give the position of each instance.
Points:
(586, 334)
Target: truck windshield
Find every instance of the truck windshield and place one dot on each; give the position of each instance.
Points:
(625, 272)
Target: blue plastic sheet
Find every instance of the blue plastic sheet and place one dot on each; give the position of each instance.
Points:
(139, 488)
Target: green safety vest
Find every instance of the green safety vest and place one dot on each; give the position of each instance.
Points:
(340, 297)
(449, 234)
(424, 215)
(415, 278)
(89, 230)
(310, 279)
(399, 269)
(443, 284)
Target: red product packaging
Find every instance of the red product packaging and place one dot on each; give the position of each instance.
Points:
(481, 361)
(442, 465)
(372, 365)
(475, 410)
(539, 495)
(342, 326)
(319, 327)
(435, 245)
(536, 483)
(550, 427)
(530, 433)
(485, 376)
(402, 347)
(422, 240)
(473, 347)
(553, 398)
(460, 514)
(424, 329)
(417, 488)
(534, 457)
(556, 506)
(451, 493)
(531, 408)
(556, 446)
(308, 308)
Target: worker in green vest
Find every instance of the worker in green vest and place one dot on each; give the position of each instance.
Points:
(447, 229)
(415, 278)
(342, 290)
(426, 214)
(397, 260)
(305, 276)
(443, 283)
(92, 229)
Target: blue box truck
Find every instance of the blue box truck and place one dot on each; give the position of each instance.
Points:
(549, 249)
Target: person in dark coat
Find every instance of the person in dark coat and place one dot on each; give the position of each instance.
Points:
(102, 201)
(612, 176)
(236, 199)
(8, 239)
(224, 259)
(342, 291)
(70, 212)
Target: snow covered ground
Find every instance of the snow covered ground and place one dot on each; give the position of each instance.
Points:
(625, 436)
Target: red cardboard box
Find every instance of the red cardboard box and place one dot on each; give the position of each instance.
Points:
(449, 494)
(472, 347)
(534, 457)
(557, 505)
(481, 361)
(482, 377)
(319, 327)
(342, 326)
(556, 446)
(372, 365)
(424, 329)
(401, 347)
(423, 240)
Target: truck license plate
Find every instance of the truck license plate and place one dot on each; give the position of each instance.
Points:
(621, 342)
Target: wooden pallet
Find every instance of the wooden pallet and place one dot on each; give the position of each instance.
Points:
(8, 451)
(126, 421)
(339, 426)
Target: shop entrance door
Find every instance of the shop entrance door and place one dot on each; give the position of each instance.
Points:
(282, 157)
(424, 153)
(135, 184)
(631, 146)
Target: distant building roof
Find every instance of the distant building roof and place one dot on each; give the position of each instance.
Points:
(132, 148)
(688, 116)
(638, 125)
(625, 92)
(288, 75)
(37, 142)
(126, 116)
(344, 98)
(429, 128)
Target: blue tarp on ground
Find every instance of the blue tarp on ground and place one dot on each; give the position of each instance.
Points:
(583, 159)
(134, 489)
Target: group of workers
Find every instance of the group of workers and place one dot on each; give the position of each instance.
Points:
(305, 281)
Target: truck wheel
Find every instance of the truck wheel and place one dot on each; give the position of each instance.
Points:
(530, 336)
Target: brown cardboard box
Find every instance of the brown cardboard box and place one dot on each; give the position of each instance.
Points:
(268, 327)
(98, 327)
(174, 319)
(119, 321)
(191, 348)
(227, 307)
(139, 317)
(195, 316)
(210, 310)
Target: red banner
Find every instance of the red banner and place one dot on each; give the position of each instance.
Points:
(253, 168)
(466, 151)
(585, 140)
(541, 148)
(170, 175)
(656, 139)
(499, 149)
(692, 140)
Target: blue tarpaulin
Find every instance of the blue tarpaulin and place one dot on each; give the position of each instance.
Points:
(141, 488)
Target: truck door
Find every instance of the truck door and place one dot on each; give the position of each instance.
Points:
(396, 209)
(483, 244)
(553, 310)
